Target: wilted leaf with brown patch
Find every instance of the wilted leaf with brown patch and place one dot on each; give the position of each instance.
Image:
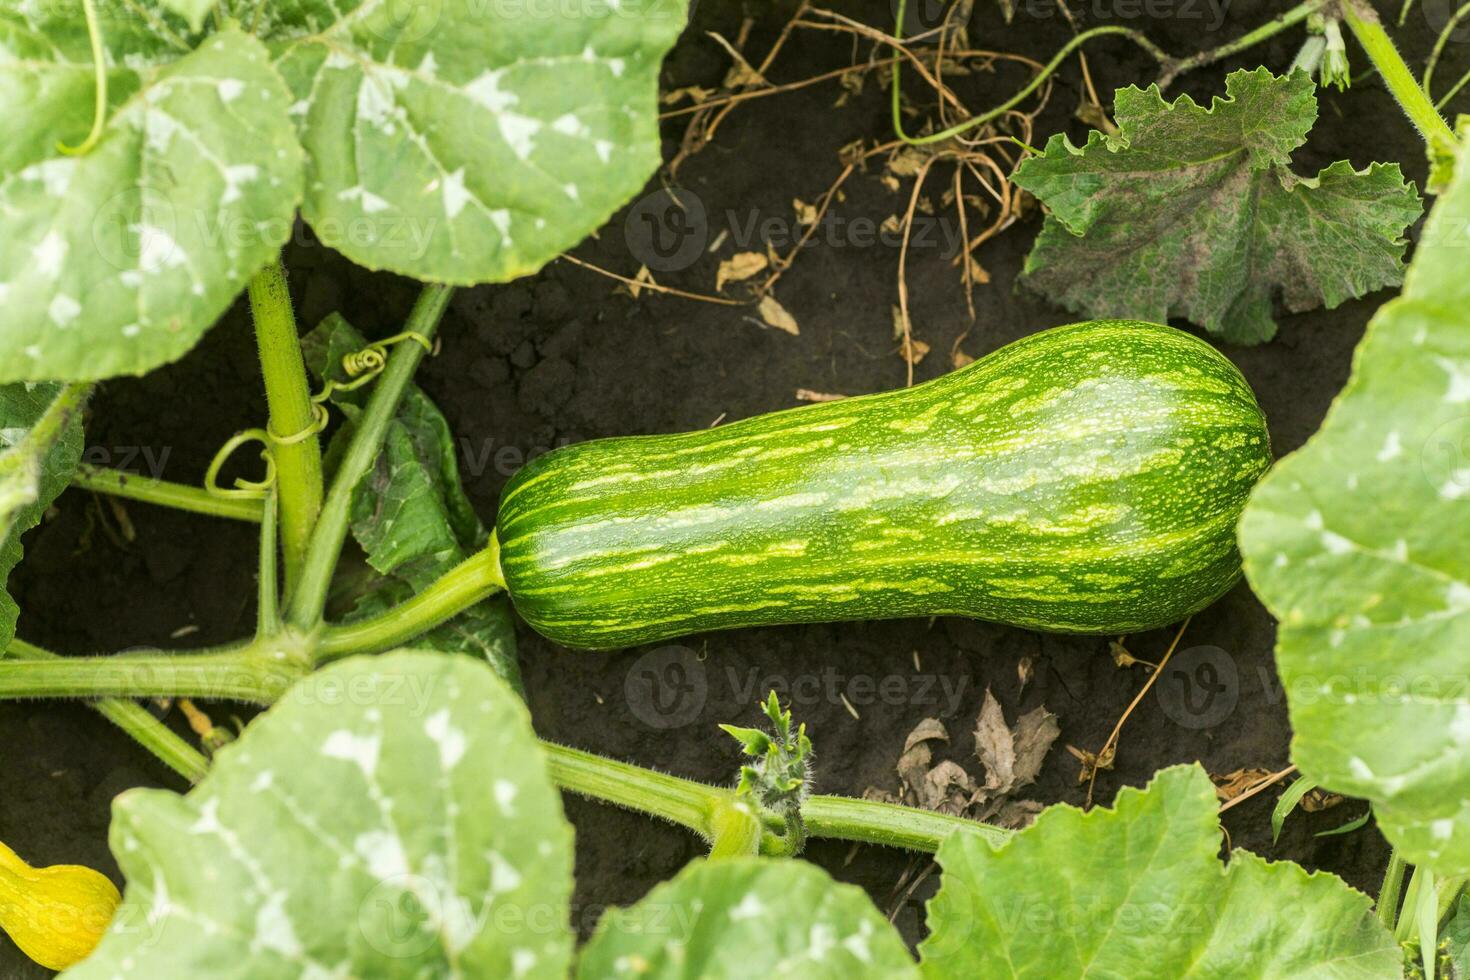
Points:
(775, 315)
(806, 214)
(891, 225)
(739, 267)
(959, 360)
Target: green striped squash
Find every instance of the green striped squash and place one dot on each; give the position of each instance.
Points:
(1086, 479)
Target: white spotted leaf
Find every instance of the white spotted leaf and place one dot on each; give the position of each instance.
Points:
(40, 446)
(1099, 893)
(1359, 543)
(462, 141)
(118, 260)
(748, 917)
(391, 817)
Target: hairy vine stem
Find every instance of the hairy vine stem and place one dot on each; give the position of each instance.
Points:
(1366, 27)
(294, 445)
(135, 720)
(309, 598)
(706, 809)
(179, 496)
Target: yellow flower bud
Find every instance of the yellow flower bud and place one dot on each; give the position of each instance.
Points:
(56, 915)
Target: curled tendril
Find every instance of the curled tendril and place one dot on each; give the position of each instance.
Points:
(244, 489)
(366, 364)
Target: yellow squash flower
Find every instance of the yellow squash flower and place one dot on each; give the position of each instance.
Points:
(56, 915)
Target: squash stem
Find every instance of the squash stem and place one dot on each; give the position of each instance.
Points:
(179, 496)
(696, 806)
(136, 721)
(473, 580)
(293, 421)
(309, 595)
(257, 673)
(1364, 23)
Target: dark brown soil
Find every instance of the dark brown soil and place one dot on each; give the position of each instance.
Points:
(562, 356)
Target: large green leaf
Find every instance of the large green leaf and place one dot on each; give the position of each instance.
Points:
(747, 917)
(1195, 212)
(1139, 890)
(410, 513)
(1360, 544)
(392, 817)
(117, 261)
(40, 446)
(463, 141)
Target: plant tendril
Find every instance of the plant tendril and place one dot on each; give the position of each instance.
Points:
(99, 64)
(252, 489)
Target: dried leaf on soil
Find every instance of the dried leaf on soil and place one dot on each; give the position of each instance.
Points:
(807, 395)
(775, 315)
(739, 267)
(1232, 784)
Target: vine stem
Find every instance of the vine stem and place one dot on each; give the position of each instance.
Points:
(1387, 908)
(179, 496)
(1247, 40)
(256, 673)
(1411, 97)
(309, 595)
(695, 806)
(135, 720)
(294, 443)
(473, 580)
(1171, 67)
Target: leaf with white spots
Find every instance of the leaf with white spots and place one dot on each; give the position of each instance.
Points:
(1101, 893)
(40, 446)
(1359, 542)
(118, 260)
(391, 817)
(747, 917)
(410, 513)
(462, 141)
